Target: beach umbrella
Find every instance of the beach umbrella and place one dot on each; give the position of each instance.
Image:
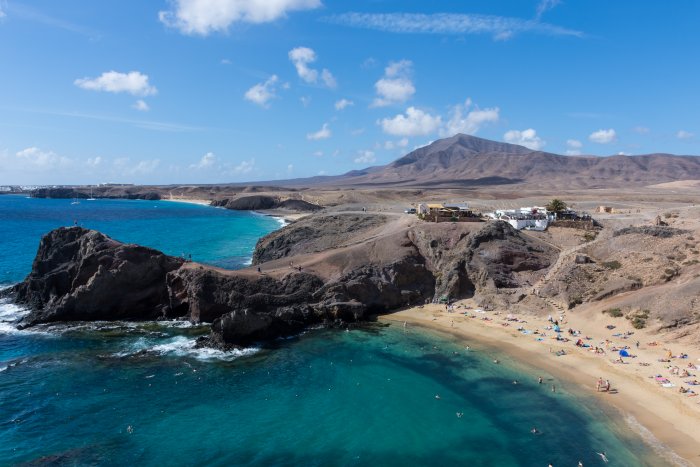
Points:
(624, 353)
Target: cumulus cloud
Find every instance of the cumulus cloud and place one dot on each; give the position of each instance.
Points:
(365, 157)
(467, 118)
(141, 106)
(574, 147)
(527, 138)
(262, 93)
(390, 145)
(499, 27)
(343, 103)
(203, 17)
(395, 86)
(34, 158)
(244, 167)
(323, 133)
(206, 162)
(682, 134)
(301, 57)
(603, 136)
(414, 122)
(133, 82)
(124, 166)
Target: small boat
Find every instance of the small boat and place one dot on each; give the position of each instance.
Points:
(91, 198)
(75, 201)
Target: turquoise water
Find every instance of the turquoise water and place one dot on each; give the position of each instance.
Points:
(215, 236)
(141, 394)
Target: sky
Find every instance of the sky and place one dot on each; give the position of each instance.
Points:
(216, 91)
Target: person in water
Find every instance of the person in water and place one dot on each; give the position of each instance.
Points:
(603, 456)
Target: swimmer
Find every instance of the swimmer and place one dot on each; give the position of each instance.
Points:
(437, 396)
(495, 361)
(603, 456)
(534, 431)
(129, 429)
(554, 388)
(515, 381)
(580, 464)
(539, 379)
(460, 414)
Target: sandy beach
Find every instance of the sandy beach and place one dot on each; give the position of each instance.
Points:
(648, 407)
(203, 202)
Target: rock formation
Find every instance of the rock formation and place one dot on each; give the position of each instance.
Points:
(263, 202)
(81, 274)
(354, 266)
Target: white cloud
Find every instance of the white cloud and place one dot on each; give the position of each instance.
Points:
(343, 103)
(244, 167)
(395, 86)
(323, 133)
(544, 6)
(123, 166)
(499, 27)
(290, 168)
(301, 57)
(603, 136)
(365, 157)
(414, 122)
(2, 13)
(682, 134)
(642, 130)
(389, 145)
(202, 17)
(527, 138)
(574, 147)
(94, 162)
(141, 106)
(318, 154)
(226, 61)
(471, 122)
(206, 162)
(305, 100)
(34, 158)
(133, 82)
(262, 93)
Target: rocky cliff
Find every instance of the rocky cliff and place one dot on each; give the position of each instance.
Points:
(353, 266)
(263, 202)
(81, 274)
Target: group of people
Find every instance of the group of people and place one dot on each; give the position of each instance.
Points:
(602, 385)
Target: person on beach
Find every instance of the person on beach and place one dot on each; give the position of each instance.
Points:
(598, 384)
(554, 388)
(539, 380)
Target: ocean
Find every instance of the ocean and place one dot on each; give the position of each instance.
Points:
(116, 393)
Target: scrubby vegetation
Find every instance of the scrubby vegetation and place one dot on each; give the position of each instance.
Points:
(612, 264)
(613, 312)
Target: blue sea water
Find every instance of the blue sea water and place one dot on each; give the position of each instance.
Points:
(141, 394)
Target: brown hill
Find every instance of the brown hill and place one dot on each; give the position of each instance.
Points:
(464, 160)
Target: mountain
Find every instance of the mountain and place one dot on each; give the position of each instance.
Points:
(464, 160)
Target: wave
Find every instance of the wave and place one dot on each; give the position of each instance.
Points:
(182, 346)
(659, 448)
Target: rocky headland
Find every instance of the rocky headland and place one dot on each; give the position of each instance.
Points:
(325, 268)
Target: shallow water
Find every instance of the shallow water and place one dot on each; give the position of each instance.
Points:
(116, 393)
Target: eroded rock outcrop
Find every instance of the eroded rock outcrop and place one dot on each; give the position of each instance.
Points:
(263, 202)
(354, 266)
(81, 274)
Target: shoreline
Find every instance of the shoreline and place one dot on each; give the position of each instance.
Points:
(668, 416)
(200, 202)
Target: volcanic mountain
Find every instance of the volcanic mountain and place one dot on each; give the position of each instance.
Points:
(464, 160)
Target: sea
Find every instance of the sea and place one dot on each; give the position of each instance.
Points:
(140, 393)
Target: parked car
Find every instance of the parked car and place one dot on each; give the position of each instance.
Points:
(410, 211)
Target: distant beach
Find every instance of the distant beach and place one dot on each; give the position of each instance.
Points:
(671, 417)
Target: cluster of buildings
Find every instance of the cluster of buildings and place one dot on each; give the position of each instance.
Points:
(528, 218)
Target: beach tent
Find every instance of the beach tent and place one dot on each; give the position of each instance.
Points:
(556, 328)
(624, 353)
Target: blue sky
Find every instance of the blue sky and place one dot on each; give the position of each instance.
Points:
(211, 91)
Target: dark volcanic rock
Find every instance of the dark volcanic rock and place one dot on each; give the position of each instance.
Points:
(652, 230)
(81, 274)
(263, 202)
(313, 234)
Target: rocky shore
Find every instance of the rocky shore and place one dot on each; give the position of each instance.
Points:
(325, 268)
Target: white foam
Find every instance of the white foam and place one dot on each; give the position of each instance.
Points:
(9, 312)
(659, 448)
(182, 346)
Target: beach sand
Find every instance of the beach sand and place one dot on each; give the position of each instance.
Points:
(203, 202)
(671, 417)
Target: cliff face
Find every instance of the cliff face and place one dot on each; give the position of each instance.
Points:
(81, 274)
(354, 265)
